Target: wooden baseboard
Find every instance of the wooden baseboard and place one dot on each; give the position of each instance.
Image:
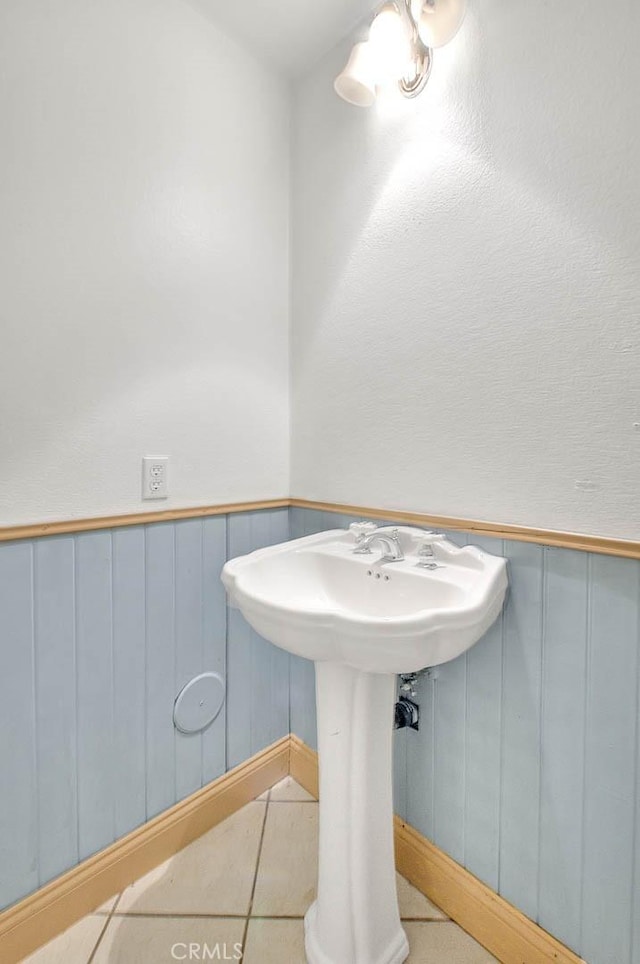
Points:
(491, 920)
(303, 765)
(50, 910)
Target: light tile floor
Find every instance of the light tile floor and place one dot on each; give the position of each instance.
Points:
(245, 884)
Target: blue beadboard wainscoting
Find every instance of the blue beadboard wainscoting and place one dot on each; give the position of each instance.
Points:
(526, 768)
(98, 633)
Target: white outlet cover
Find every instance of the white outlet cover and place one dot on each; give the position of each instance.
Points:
(155, 471)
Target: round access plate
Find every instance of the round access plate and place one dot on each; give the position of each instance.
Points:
(198, 703)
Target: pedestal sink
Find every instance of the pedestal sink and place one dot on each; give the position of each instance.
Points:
(338, 598)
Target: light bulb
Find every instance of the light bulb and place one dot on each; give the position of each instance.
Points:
(390, 44)
(438, 20)
(357, 82)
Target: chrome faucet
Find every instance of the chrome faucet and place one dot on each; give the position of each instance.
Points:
(389, 540)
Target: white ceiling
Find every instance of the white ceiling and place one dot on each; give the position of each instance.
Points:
(291, 34)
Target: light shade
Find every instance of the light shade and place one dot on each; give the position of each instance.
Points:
(389, 41)
(438, 20)
(357, 82)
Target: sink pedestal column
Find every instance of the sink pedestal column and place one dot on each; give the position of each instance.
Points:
(355, 919)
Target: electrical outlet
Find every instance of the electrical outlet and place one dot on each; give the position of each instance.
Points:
(154, 477)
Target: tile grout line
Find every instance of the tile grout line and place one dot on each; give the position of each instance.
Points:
(104, 929)
(255, 874)
(275, 803)
(142, 915)
(174, 915)
(428, 920)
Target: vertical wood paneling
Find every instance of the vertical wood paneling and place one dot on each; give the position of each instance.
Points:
(421, 756)
(339, 521)
(56, 705)
(466, 539)
(302, 676)
(18, 799)
(449, 776)
(278, 525)
(314, 521)
(95, 692)
(296, 522)
(269, 696)
(239, 656)
(238, 689)
(188, 643)
(563, 706)
(258, 673)
(161, 669)
(483, 727)
(129, 678)
(610, 777)
(635, 896)
(214, 638)
(98, 632)
(400, 739)
(520, 798)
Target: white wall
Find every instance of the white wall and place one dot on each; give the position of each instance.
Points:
(467, 277)
(143, 260)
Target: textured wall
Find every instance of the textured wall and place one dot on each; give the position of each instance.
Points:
(143, 260)
(525, 768)
(466, 284)
(98, 634)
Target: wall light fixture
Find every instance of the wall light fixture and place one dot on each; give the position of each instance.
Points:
(400, 48)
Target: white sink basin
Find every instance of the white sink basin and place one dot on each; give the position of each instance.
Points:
(363, 620)
(315, 597)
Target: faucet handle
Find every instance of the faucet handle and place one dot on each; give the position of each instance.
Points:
(426, 555)
(426, 545)
(362, 529)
